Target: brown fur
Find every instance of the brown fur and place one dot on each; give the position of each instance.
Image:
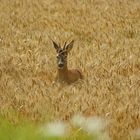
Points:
(69, 76)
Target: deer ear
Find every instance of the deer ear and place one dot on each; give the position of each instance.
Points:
(69, 46)
(56, 46)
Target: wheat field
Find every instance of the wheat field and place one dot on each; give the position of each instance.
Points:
(106, 49)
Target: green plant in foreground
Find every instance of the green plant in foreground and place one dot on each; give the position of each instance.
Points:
(23, 131)
(81, 129)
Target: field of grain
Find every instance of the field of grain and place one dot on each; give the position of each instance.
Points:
(106, 49)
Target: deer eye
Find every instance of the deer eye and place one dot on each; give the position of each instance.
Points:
(57, 56)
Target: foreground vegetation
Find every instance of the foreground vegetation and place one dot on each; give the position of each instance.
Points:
(106, 49)
(81, 128)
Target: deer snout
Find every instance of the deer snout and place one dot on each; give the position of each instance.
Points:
(60, 64)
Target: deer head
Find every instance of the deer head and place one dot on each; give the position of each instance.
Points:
(62, 53)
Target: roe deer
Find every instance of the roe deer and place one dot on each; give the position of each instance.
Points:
(64, 74)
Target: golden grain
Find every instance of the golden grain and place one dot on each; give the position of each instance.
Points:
(107, 49)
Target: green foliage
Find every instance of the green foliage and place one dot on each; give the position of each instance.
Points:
(23, 131)
(29, 131)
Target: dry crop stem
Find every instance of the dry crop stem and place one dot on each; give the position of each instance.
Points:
(107, 49)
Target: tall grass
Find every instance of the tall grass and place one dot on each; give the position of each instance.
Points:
(106, 49)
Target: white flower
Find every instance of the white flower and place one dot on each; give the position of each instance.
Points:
(54, 129)
(94, 125)
(78, 120)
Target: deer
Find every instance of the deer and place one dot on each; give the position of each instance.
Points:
(63, 73)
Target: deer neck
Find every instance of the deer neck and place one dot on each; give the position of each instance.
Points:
(63, 73)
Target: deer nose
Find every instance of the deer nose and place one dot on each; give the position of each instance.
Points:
(60, 65)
